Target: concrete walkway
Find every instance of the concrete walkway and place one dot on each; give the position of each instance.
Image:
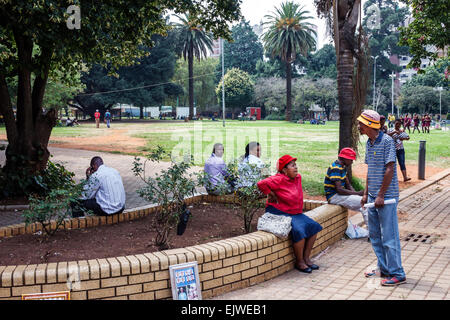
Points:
(424, 221)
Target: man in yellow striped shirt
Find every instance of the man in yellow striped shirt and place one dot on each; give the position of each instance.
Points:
(338, 188)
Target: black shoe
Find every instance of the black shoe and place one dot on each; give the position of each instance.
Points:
(306, 270)
(313, 266)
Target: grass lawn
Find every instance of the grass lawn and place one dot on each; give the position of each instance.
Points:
(315, 146)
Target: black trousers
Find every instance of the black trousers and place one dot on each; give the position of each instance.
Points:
(89, 204)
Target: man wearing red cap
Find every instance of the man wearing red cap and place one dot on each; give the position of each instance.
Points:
(285, 197)
(338, 188)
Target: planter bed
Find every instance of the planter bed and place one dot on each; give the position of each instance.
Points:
(227, 264)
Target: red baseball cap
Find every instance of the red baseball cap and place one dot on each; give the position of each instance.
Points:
(348, 153)
(283, 161)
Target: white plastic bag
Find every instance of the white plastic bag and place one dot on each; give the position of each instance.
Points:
(277, 224)
(354, 232)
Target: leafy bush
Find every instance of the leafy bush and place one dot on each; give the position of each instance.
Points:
(168, 189)
(54, 206)
(275, 116)
(248, 198)
(22, 182)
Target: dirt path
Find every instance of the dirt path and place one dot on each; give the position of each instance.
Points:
(114, 140)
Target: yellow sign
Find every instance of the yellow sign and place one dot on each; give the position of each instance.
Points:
(63, 295)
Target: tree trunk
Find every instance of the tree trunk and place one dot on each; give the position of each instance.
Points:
(288, 91)
(29, 133)
(191, 81)
(345, 96)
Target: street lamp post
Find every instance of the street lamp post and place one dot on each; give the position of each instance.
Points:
(223, 84)
(392, 76)
(374, 79)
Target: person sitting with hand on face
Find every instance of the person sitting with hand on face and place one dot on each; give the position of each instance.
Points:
(103, 193)
(285, 197)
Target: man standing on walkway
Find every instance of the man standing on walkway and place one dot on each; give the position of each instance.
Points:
(338, 188)
(382, 185)
(97, 118)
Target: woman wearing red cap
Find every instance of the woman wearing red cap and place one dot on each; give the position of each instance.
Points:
(285, 197)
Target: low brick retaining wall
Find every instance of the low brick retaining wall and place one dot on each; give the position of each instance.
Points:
(223, 265)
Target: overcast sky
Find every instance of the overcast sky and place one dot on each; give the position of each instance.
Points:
(255, 10)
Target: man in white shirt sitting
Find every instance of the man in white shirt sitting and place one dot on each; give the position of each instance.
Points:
(103, 193)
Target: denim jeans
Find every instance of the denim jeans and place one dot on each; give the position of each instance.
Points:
(385, 238)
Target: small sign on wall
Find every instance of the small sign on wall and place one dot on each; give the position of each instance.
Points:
(185, 281)
(63, 295)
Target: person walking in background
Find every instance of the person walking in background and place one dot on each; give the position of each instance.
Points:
(423, 123)
(382, 185)
(338, 188)
(97, 118)
(407, 123)
(416, 122)
(391, 119)
(398, 135)
(107, 118)
(427, 123)
(382, 124)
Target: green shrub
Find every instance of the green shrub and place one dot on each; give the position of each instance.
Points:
(54, 206)
(168, 189)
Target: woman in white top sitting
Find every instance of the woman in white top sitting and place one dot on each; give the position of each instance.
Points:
(250, 167)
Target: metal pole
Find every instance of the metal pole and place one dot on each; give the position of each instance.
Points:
(422, 152)
(223, 83)
(440, 107)
(374, 78)
(392, 96)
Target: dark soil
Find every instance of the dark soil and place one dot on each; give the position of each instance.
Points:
(14, 201)
(208, 222)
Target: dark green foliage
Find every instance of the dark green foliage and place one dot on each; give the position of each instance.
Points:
(244, 52)
(55, 207)
(22, 182)
(153, 72)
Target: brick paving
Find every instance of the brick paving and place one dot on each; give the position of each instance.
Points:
(342, 266)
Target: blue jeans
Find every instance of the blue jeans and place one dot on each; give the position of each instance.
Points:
(385, 238)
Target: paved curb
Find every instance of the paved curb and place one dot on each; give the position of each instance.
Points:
(358, 220)
(14, 207)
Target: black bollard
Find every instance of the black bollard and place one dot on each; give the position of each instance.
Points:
(422, 151)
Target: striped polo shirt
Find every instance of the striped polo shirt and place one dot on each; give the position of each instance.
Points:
(377, 156)
(335, 172)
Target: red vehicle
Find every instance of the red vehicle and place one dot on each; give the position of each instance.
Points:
(254, 111)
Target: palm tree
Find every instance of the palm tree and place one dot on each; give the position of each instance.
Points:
(342, 17)
(196, 42)
(288, 34)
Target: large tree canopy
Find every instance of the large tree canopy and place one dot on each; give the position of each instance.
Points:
(35, 40)
(146, 83)
(428, 31)
(244, 51)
